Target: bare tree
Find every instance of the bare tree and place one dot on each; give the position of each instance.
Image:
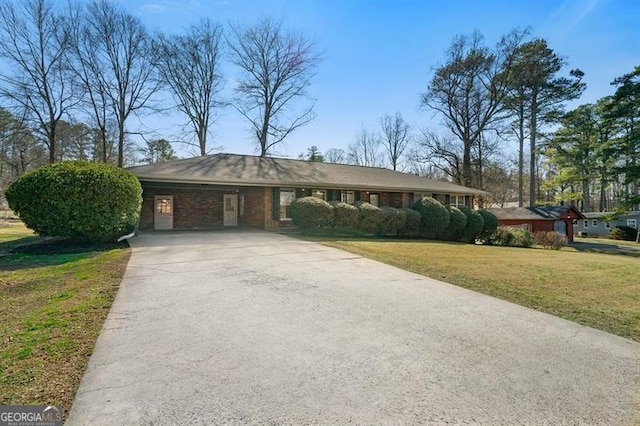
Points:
(190, 65)
(116, 67)
(365, 151)
(335, 155)
(395, 137)
(276, 70)
(442, 153)
(33, 41)
(469, 89)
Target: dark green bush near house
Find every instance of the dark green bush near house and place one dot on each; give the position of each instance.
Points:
(371, 219)
(508, 236)
(411, 226)
(457, 224)
(345, 217)
(394, 220)
(474, 226)
(550, 240)
(311, 214)
(623, 233)
(92, 201)
(434, 217)
(490, 224)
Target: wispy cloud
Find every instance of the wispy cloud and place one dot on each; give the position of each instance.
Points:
(568, 16)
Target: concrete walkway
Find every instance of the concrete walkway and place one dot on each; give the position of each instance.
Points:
(259, 328)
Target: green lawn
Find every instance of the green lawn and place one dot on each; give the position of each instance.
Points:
(52, 307)
(597, 290)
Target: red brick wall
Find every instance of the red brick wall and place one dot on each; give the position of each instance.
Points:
(192, 208)
(539, 225)
(255, 207)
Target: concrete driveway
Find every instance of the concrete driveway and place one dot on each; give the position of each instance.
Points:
(255, 327)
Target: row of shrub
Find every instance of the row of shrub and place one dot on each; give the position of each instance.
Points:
(623, 233)
(428, 218)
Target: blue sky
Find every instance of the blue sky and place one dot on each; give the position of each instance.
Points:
(378, 54)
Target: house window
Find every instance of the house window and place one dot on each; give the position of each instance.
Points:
(287, 197)
(575, 222)
(163, 205)
(374, 199)
(586, 223)
(607, 225)
(595, 222)
(319, 193)
(457, 200)
(631, 223)
(348, 197)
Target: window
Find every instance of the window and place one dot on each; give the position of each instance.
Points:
(348, 197)
(575, 222)
(287, 197)
(163, 205)
(319, 193)
(631, 223)
(607, 225)
(595, 222)
(586, 223)
(457, 200)
(374, 199)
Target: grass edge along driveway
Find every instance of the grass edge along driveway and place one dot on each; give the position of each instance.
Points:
(52, 308)
(597, 290)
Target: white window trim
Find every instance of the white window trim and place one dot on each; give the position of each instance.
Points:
(632, 223)
(344, 197)
(594, 222)
(586, 223)
(607, 225)
(284, 218)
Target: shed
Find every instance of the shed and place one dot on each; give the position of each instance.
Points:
(540, 219)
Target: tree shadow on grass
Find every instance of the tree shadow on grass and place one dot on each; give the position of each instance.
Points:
(615, 249)
(35, 252)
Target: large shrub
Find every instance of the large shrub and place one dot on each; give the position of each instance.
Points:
(550, 240)
(345, 217)
(434, 217)
(457, 224)
(394, 220)
(510, 237)
(311, 213)
(371, 219)
(625, 233)
(93, 201)
(474, 226)
(412, 221)
(490, 224)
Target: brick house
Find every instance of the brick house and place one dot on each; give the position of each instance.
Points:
(536, 219)
(228, 190)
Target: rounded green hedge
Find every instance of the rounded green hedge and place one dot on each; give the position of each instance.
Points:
(411, 226)
(394, 220)
(93, 201)
(475, 224)
(457, 224)
(345, 217)
(311, 213)
(371, 219)
(434, 217)
(490, 224)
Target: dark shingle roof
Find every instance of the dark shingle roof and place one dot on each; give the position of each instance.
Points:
(247, 170)
(529, 213)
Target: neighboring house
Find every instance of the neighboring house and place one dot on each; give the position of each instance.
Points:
(593, 224)
(225, 190)
(536, 219)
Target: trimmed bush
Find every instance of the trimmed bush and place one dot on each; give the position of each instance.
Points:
(434, 217)
(311, 213)
(345, 217)
(550, 240)
(92, 201)
(457, 224)
(394, 220)
(508, 236)
(624, 233)
(412, 221)
(474, 226)
(490, 224)
(371, 219)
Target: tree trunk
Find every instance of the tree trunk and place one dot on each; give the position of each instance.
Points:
(521, 156)
(466, 165)
(120, 143)
(586, 196)
(533, 124)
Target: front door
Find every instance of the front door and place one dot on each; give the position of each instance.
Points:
(560, 226)
(163, 212)
(230, 210)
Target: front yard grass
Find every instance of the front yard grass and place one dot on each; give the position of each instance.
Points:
(597, 290)
(52, 307)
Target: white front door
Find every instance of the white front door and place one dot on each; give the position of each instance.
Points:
(230, 210)
(163, 212)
